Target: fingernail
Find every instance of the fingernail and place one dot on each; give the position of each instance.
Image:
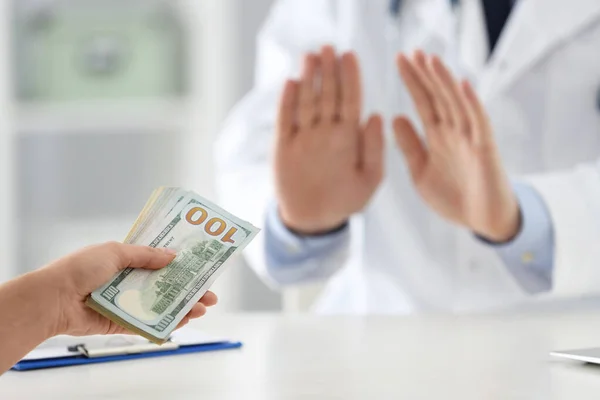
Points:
(168, 251)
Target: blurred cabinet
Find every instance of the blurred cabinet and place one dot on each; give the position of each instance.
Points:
(110, 99)
(90, 49)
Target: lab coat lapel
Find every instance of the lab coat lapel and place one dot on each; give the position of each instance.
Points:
(534, 29)
(472, 38)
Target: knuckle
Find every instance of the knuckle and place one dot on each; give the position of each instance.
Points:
(113, 245)
(328, 107)
(305, 116)
(307, 103)
(352, 106)
(112, 251)
(328, 91)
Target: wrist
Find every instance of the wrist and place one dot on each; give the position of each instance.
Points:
(320, 233)
(28, 311)
(505, 229)
(45, 303)
(27, 318)
(311, 229)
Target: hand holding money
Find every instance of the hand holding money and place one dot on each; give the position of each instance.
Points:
(204, 236)
(78, 274)
(50, 301)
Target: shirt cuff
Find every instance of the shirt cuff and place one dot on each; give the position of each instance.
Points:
(285, 248)
(530, 255)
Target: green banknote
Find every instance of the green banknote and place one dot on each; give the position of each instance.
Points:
(153, 303)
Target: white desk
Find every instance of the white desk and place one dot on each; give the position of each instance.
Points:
(377, 358)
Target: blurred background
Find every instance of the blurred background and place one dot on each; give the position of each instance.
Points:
(104, 100)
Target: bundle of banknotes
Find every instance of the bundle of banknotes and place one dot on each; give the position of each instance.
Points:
(153, 303)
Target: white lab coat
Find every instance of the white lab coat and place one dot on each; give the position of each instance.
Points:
(541, 90)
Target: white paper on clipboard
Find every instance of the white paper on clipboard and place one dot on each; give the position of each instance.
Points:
(98, 346)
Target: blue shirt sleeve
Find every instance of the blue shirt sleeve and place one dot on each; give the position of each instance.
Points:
(285, 249)
(530, 255)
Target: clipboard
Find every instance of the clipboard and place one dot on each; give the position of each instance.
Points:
(71, 351)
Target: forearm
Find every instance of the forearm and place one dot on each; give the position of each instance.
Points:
(26, 322)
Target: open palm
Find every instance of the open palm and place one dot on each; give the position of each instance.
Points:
(457, 170)
(328, 163)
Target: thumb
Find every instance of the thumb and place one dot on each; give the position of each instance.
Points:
(131, 256)
(411, 145)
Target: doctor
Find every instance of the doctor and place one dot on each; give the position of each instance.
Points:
(348, 211)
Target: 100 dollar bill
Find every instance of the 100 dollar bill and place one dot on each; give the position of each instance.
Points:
(152, 303)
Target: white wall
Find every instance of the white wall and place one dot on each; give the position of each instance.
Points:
(239, 287)
(7, 233)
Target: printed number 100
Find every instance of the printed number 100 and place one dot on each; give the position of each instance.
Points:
(214, 226)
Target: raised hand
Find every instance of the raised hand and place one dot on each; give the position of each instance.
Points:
(456, 168)
(327, 163)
